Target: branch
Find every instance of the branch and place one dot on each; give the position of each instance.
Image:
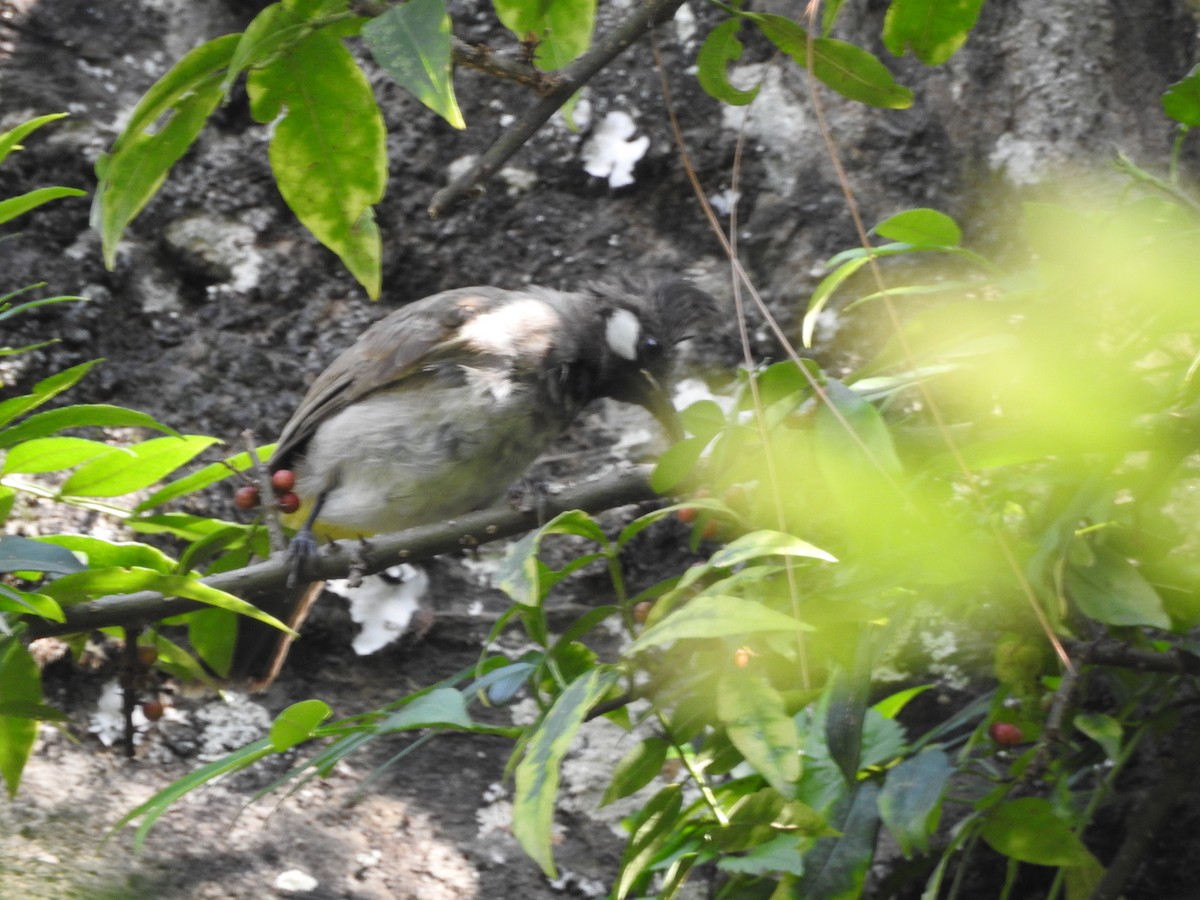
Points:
(572, 78)
(337, 559)
(498, 65)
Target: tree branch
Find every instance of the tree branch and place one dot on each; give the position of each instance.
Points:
(337, 559)
(572, 78)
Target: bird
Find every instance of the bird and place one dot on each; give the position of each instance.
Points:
(440, 406)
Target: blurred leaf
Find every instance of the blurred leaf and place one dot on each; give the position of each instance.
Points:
(130, 469)
(328, 147)
(1103, 729)
(852, 71)
(20, 554)
(758, 544)
(412, 44)
(824, 290)
(932, 29)
(11, 140)
(716, 617)
(562, 29)
(20, 684)
(836, 868)
(637, 768)
(439, 707)
(758, 724)
(15, 206)
(719, 49)
(853, 440)
(297, 723)
(890, 706)
(1027, 830)
(649, 832)
(769, 856)
(844, 716)
(911, 800)
(22, 602)
(212, 633)
(96, 414)
(921, 227)
(537, 774)
(1112, 591)
(1182, 99)
(52, 454)
(676, 463)
(161, 129)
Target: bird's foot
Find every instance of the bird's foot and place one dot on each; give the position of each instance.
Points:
(302, 552)
(530, 493)
(358, 564)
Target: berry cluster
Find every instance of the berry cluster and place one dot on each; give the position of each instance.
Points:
(283, 483)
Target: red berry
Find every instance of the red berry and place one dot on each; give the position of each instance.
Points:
(147, 655)
(284, 480)
(1006, 734)
(641, 611)
(246, 497)
(289, 502)
(153, 710)
(686, 515)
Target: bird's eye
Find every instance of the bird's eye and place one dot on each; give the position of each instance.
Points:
(650, 349)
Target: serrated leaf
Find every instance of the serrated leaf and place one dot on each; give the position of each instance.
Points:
(163, 126)
(15, 206)
(1027, 830)
(20, 683)
(79, 416)
(52, 454)
(439, 707)
(412, 44)
(933, 29)
(328, 148)
(719, 49)
(910, 802)
(716, 617)
(921, 227)
(561, 28)
(853, 72)
(133, 468)
(1181, 101)
(11, 139)
(296, 724)
(1111, 590)
(537, 774)
(758, 724)
(637, 768)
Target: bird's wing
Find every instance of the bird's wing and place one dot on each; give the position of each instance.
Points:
(390, 350)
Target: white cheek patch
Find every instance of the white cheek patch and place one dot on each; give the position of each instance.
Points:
(622, 332)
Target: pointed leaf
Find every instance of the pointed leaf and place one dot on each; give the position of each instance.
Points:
(130, 469)
(716, 617)
(439, 707)
(20, 683)
(83, 415)
(651, 828)
(52, 454)
(11, 139)
(1112, 591)
(1027, 830)
(15, 206)
(758, 544)
(911, 800)
(921, 227)
(637, 768)
(412, 44)
(758, 724)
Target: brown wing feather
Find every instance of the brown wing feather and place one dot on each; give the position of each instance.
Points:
(391, 349)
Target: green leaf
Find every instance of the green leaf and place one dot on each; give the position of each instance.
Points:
(22, 602)
(719, 49)
(561, 28)
(328, 148)
(932, 29)
(837, 867)
(889, 707)
(1027, 830)
(758, 724)
(1182, 99)
(21, 554)
(1112, 591)
(15, 206)
(130, 469)
(202, 478)
(758, 544)
(44, 390)
(853, 442)
(650, 830)
(824, 290)
(676, 463)
(101, 554)
(20, 683)
(921, 227)
(52, 454)
(82, 586)
(296, 724)
(637, 768)
(412, 44)
(439, 707)
(83, 415)
(537, 774)
(11, 139)
(1104, 730)
(851, 71)
(716, 617)
(911, 800)
(525, 578)
(161, 129)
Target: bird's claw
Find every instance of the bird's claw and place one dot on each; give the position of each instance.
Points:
(302, 551)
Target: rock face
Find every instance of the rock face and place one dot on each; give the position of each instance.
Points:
(221, 308)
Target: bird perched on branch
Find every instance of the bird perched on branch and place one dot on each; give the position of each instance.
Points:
(439, 407)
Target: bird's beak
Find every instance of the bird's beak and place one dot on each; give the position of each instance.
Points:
(653, 397)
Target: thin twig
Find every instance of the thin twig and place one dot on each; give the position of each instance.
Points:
(484, 59)
(573, 77)
(336, 560)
